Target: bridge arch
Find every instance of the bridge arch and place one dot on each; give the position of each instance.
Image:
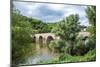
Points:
(40, 39)
(34, 39)
(49, 38)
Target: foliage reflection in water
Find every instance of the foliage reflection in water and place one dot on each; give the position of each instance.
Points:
(42, 53)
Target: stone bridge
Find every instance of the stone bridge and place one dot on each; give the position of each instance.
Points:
(44, 38)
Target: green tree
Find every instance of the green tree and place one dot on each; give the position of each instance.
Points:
(91, 15)
(21, 37)
(40, 26)
(68, 30)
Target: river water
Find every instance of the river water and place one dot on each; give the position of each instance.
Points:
(42, 53)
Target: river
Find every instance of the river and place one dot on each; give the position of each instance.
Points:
(42, 53)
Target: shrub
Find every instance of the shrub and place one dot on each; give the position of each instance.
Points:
(59, 45)
(91, 44)
(79, 48)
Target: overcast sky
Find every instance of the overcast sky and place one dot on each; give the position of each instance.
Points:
(51, 12)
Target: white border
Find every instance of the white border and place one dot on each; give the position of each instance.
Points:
(87, 2)
(4, 33)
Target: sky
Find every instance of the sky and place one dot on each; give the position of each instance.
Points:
(51, 12)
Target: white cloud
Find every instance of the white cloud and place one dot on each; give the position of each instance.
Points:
(56, 6)
(37, 10)
(29, 12)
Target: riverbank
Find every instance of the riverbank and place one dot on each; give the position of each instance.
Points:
(90, 56)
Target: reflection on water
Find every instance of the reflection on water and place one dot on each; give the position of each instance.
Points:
(42, 53)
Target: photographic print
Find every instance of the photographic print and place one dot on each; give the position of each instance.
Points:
(52, 33)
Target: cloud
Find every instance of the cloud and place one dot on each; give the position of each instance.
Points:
(51, 12)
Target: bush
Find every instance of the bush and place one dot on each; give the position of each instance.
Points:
(91, 44)
(83, 46)
(59, 45)
(20, 43)
(79, 48)
(21, 39)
